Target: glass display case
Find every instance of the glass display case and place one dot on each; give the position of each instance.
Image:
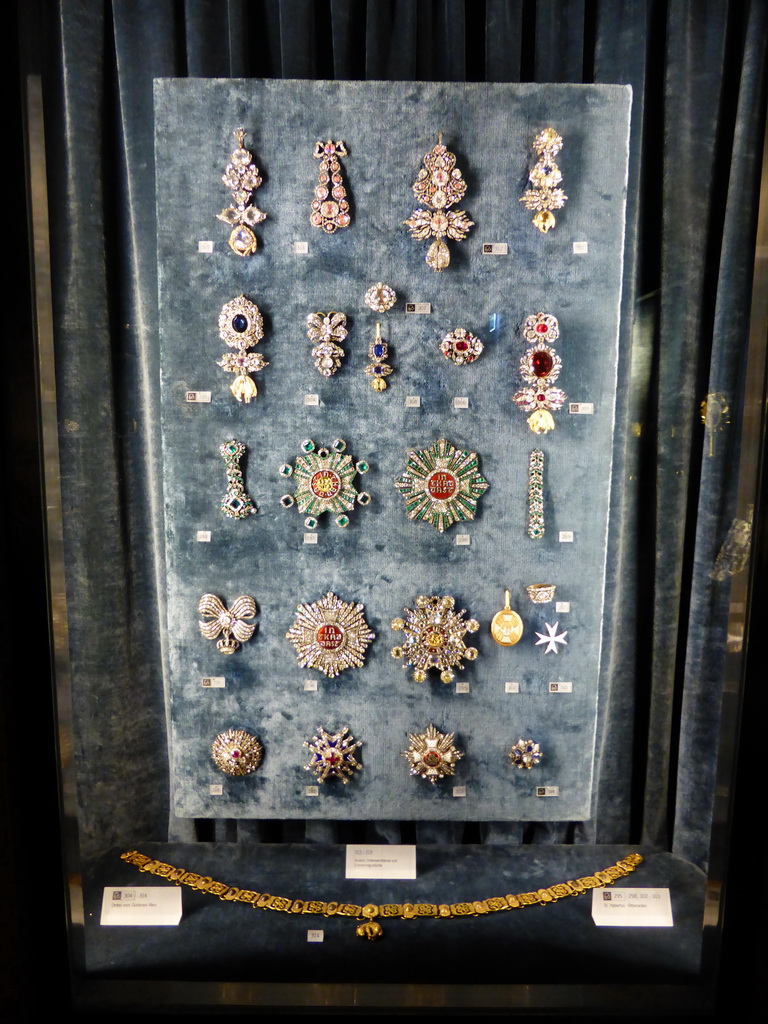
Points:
(399, 542)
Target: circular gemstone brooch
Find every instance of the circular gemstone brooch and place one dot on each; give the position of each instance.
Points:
(236, 752)
(461, 347)
(434, 637)
(330, 635)
(525, 754)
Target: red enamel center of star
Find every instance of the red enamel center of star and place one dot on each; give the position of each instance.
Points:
(325, 484)
(432, 759)
(329, 636)
(441, 485)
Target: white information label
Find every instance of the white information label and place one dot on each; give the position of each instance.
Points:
(463, 540)
(204, 536)
(216, 789)
(580, 248)
(495, 249)
(310, 685)
(315, 935)
(581, 408)
(561, 607)
(560, 687)
(197, 396)
(459, 790)
(461, 403)
(547, 791)
(310, 538)
(215, 682)
(311, 791)
(511, 687)
(462, 687)
(301, 248)
(418, 307)
(565, 536)
(374, 861)
(413, 401)
(205, 246)
(311, 399)
(143, 905)
(638, 908)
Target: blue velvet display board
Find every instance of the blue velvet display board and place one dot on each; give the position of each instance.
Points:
(382, 559)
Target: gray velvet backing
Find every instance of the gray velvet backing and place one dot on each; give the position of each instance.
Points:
(381, 559)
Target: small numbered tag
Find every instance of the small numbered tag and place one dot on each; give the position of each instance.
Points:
(547, 791)
(511, 687)
(580, 248)
(216, 789)
(311, 399)
(310, 685)
(560, 687)
(561, 607)
(461, 402)
(215, 682)
(462, 687)
(459, 790)
(204, 536)
(418, 307)
(462, 540)
(581, 408)
(205, 247)
(413, 401)
(311, 791)
(310, 538)
(315, 935)
(495, 248)
(301, 248)
(565, 536)
(197, 396)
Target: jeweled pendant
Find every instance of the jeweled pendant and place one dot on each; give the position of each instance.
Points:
(242, 178)
(378, 369)
(241, 326)
(330, 209)
(439, 185)
(236, 503)
(506, 625)
(545, 176)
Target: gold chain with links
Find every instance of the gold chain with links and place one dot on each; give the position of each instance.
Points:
(370, 928)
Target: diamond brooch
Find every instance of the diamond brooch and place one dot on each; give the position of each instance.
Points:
(330, 635)
(441, 485)
(324, 482)
(525, 754)
(439, 184)
(540, 367)
(236, 752)
(434, 637)
(242, 178)
(545, 176)
(241, 326)
(330, 209)
(326, 330)
(461, 347)
(431, 754)
(227, 623)
(380, 297)
(333, 755)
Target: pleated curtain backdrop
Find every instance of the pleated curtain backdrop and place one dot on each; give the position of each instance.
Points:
(697, 69)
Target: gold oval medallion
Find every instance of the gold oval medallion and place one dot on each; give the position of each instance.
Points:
(506, 625)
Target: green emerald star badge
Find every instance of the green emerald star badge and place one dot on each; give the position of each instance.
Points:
(441, 485)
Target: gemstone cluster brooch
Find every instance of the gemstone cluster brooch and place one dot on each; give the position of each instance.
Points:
(330, 635)
(324, 482)
(333, 755)
(236, 752)
(242, 178)
(439, 185)
(441, 485)
(434, 637)
(431, 754)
